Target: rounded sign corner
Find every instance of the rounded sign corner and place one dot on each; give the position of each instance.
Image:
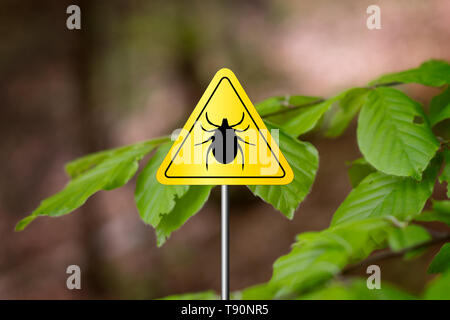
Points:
(160, 175)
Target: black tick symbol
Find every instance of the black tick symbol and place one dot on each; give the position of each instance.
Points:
(224, 141)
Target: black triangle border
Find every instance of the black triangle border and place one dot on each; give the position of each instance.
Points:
(226, 177)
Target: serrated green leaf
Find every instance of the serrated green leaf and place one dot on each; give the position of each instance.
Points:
(349, 106)
(437, 289)
(166, 207)
(78, 166)
(111, 172)
(318, 256)
(305, 119)
(394, 135)
(303, 159)
(281, 104)
(440, 107)
(380, 195)
(186, 206)
(206, 295)
(433, 73)
(356, 289)
(153, 199)
(359, 169)
(440, 212)
(408, 237)
(441, 262)
(445, 175)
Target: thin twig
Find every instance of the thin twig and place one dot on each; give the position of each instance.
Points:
(388, 84)
(441, 237)
(290, 108)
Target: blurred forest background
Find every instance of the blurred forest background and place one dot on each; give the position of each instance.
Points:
(135, 71)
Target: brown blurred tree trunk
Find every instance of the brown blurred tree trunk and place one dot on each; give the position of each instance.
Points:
(93, 135)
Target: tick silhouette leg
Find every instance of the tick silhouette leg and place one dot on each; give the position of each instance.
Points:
(207, 119)
(242, 130)
(240, 121)
(242, 154)
(207, 130)
(209, 139)
(240, 139)
(207, 155)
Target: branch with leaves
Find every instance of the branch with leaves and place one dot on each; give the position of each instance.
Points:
(405, 151)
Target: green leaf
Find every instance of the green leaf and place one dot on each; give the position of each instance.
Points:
(186, 206)
(318, 256)
(408, 237)
(440, 212)
(78, 166)
(442, 206)
(394, 135)
(305, 119)
(359, 169)
(445, 175)
(430, 216)
(441, 262)
(111, 172)
(356, 289)
(381, 195)
(166, 207)
(153, 199)
(349, 106)
(263, 291)
(284, 104)
(433, 73)
(440, 107)
(304, 161)
(206, 295)
(437, 289)
(332, 291)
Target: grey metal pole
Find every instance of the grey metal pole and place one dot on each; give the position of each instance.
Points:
(225, 249)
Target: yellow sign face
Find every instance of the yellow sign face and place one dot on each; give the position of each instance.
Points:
(225, 141)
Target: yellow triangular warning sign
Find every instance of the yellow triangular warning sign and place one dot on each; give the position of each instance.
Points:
(225, 141)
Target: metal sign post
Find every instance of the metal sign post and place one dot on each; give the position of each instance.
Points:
(225, 248)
